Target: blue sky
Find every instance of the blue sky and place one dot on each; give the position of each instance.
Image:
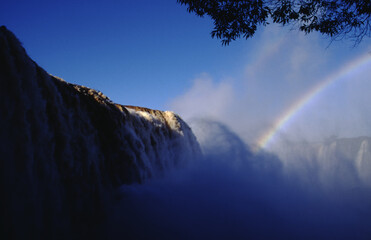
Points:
(157, 55)
(136, 52)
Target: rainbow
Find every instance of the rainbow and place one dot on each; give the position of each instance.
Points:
(287, 116)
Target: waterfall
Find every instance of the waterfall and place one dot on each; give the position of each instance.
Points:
(65, 147)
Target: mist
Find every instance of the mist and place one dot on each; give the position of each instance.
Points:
(72, 160)
(234, 193)
(313, 182)
(282, 66)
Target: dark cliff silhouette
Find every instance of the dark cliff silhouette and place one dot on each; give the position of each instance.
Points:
(65, 148)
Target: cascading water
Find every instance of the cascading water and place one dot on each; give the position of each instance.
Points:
(65, 147)
(363, 162)
(71, 161)
(333, 162)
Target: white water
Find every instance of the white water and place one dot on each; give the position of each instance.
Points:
(64, 148)
(313, 193)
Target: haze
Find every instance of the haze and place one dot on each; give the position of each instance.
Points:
(154, 54)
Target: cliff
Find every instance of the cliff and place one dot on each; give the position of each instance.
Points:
(65, 148)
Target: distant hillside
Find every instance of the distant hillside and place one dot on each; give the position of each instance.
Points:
(64, 148)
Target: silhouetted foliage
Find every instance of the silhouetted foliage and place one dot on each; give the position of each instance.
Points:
(337, 19)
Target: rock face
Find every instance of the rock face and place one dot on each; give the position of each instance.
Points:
(65, 147)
